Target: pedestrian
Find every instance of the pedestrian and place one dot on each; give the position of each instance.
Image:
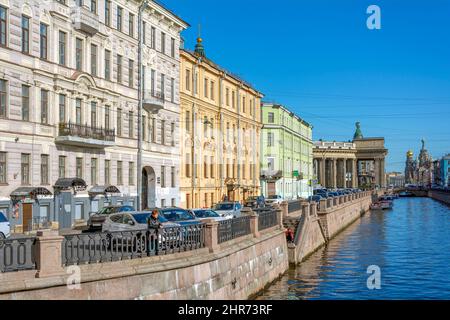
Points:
(289, 235)
(154, 226)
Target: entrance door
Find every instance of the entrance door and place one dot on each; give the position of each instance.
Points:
(144, 194)
(148, 193)
(27, 216)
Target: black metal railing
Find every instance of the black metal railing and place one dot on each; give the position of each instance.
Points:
(17, 254)
(294, 205)
(267, 219)
(88, 248)
(85, 131)
(233, 228)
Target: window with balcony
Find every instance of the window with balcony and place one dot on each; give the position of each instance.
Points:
(25, 103)
(78, 103)
(94, 59)
(25, 34)
(44, 106)
(25, 168)
(62, 107)
(93, 114)
(108, 12)
(62, 48)
(119, 18)
(61, 167)
(107, 117)
(44, 169)
(43, 40)
(152, 82)
(107, 65)
(79, 54)
(3, 26)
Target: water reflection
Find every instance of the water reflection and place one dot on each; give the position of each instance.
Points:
(410, 244)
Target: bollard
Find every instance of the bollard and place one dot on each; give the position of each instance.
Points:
(254, 225)
(313, 209)
(284, 208)
(323, 204)
(211, 235)
(48, 254)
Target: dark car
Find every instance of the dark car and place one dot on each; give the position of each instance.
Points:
(178, 215)
(95, 222)
(315, 198)
(255, 202)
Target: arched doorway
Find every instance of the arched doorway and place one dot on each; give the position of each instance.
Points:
(148, 188)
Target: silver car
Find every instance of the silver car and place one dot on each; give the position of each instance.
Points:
(228, 209)
(5, 228)
(203, 214)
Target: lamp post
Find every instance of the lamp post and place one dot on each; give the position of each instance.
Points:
(142, 7)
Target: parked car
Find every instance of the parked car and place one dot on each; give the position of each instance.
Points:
(273, 199)
(203, 214)
(315, 198)
(95, 221)
(178, 215)
(228, 209)
(5, 227)
(255, 202)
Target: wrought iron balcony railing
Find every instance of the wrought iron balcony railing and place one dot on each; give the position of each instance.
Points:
(85, 131)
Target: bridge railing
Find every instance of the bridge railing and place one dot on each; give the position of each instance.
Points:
(17, 254)
(233, 228)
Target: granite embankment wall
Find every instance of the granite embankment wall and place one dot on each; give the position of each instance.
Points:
(236, 269)
(442, 196)
(320, 222)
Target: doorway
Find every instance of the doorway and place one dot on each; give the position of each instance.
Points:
(27, 216)
(148, 194)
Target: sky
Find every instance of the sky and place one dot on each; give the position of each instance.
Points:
(319, 59)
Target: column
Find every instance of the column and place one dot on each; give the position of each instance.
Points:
(354, 173)
(334, 176)
(345, 173)
(323, 179)
(382, 173)
(377, 172)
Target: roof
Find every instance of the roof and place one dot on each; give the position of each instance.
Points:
(169, 11)
(30, 192)
(278, 105)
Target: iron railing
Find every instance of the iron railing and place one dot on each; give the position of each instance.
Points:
(293, 206)
(17, 254)
(85, 131)
(88, 248)
(233, 228)
(267, 219)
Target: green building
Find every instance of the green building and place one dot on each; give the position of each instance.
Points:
(286, 153)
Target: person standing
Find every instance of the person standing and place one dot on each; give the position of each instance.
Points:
(154, 226)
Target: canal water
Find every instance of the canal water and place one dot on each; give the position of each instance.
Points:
(410, 244)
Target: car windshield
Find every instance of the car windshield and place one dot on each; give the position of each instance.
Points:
(273, 197)
(224, 206)
(108, 210)
(3, 217)
(125, 209)
(142, 218)
(177, 215)
(206, 214)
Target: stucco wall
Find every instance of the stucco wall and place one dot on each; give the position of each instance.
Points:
(238, 270)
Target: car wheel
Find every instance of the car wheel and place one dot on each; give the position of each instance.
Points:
(2, 236)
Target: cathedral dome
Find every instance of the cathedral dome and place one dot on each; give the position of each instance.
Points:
(409, 154)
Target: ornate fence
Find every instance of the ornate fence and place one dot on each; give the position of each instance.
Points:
(87, 248)
(267, 219)
(294, 205)
(233, 228)
(17, 254)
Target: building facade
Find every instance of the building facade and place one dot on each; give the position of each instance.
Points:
(220, 128)
(286, 153)
(69, 107)
(358, 163)
(420, 171)
(395, 179)
(445, 171)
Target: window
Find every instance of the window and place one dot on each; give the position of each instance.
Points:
(187, 168)
(130, 124)
(163, 131)
(3, 33)
(251, 107)
(163, 176)
(131, 173)
(205, 167)
(61, 167)
(212, 90)
(43, 31)
(163, 42)
(153, 130)
(205, 126)
(119, 68)
(25, 34)
(228, 132)
(211, 165)
(172, 90)
(144, 34)
(25, 102)
(119, 122)
(173, 202)
(78, 54)
(62, 108)
(25, 168)
(107, 117)
(107, 65)
(94, 6)
(234, 133)
(62, 48)
(119, 173)
(163, 82)
(227, 96)
(271, 117)
(153, 37)
(44, 169)
(172, 47)
(188, 121)
(172, 133)
(270, 138)
(172, 177)
(44, 106)
(93, 59)
(130, 73)
(107, 172)
(78, 111)
(94, 171)
(79, 167)
(108, 12)
(271, 163)
(131, 24)
(143, 129)
(3, 171)
(152, 82)
(163, 203)
(206, 88)
(119, 18)
(188, 80)
(93, 114)
(243, 104)
(233, 100)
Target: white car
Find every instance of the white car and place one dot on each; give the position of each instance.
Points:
(5, 228)
(274, 199)
(203, 214)
(230, 209)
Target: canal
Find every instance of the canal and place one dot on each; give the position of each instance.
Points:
(410, 244)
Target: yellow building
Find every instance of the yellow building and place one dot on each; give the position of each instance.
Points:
(220, 133)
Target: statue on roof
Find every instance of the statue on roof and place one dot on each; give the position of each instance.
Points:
(358, 133)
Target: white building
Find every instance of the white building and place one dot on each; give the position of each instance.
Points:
(69, 106)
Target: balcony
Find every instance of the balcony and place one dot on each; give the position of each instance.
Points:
(85, 136)
(271, 175)
(85, 20)
(153, 101)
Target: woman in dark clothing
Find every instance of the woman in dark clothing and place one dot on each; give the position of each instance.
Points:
(154, 225)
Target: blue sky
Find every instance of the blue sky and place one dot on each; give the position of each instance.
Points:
(318, 58)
